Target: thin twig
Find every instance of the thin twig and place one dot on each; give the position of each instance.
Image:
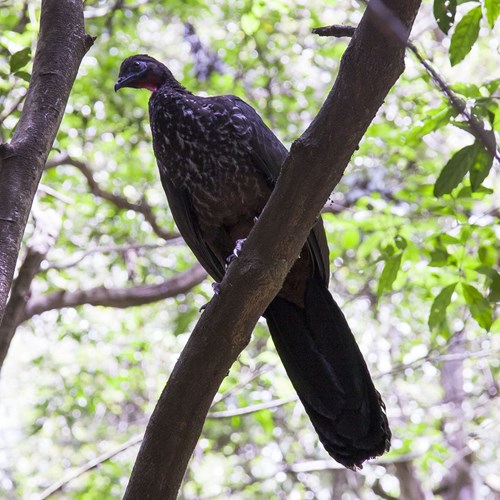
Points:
(110, 249)
(476, 127)
(92, 464)
(245, 410)
(119, 201)
(388, 23)
(7, 112)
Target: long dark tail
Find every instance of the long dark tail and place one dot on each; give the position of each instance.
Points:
(331, 378)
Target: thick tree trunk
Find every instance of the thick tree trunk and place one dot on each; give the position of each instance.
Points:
(371, 65)
(62, 43)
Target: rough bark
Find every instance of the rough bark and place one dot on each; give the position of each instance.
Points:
(369, 68)
(62, 43)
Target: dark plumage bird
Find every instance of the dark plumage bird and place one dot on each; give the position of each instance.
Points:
(218, 164)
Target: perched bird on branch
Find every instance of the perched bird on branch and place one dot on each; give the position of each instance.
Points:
(218, 164)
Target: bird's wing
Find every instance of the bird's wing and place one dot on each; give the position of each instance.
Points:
(270, 154)
(187, 223)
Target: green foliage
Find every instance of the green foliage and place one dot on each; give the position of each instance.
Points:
(492, 11)
(20, 59)
(474, 159)
(439, 306)
(465, 35)
(444, 12)
(413, 245)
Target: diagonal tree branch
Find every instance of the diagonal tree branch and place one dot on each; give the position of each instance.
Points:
(62, 43)
(115, 297)
(369, 68)
(119, 201)
(476, 126)
(40, 242)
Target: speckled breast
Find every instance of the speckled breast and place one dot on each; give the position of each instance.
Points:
(204, 148)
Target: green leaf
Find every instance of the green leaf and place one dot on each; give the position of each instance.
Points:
(350, 238)
(20, 59)
(454, 171)
(487, 255)
(492, 11)
(434, 119)
(390, 273)
(24, 75)
(401, 242)
(439, 306)
(439, 257)
(494, 295)
(481, 167)
(479, 307)
(444, 12)
(465, 35)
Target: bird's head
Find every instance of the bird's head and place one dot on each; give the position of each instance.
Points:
(142, 72)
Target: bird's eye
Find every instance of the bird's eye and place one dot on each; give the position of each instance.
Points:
(137, 65)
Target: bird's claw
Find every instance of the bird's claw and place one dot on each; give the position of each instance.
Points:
(237, 250)
(217, 291)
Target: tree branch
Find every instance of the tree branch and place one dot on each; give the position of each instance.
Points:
(40, 242)
(246, 410)
(62, 43)
(76, 259)
(92, 464)
(336, 30)
(369, 68)
(476, 127)
(119, 201)
(13, 107)
(115, 297)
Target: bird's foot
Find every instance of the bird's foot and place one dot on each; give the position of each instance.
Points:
(217, 290)
(237, 250)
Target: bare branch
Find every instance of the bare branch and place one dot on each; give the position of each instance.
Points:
(392, 25)
(119, 201)
(62, 43)
(12, 108)
(92, 464)
(369, 68)
(40, 242)
(487, 139)
(116, 297)
(110, 249)
(246, 410)
(336, 30)
(330, 464)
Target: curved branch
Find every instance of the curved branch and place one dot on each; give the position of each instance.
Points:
(369, 68)
(119, 201)
(41, 241)
(115, 297)
(62, 43)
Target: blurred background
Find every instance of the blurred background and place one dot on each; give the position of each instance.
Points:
(414, 263)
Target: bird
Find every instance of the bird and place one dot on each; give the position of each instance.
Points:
(218, 164)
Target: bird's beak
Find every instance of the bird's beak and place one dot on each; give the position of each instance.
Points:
(120, 83)
(126, 81)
